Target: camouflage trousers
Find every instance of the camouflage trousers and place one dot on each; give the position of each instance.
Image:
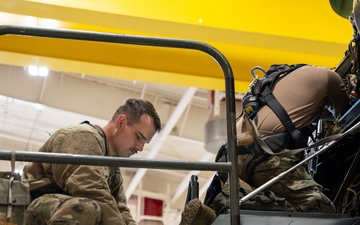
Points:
(58, 209)
(298, 187)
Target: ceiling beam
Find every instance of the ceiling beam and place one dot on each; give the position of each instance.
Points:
(166, 130)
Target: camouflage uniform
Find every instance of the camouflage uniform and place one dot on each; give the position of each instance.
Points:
(305, 94)
(63, 209)
(298, 187)
(85, 189)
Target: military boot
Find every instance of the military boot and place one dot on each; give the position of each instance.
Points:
(195, 213)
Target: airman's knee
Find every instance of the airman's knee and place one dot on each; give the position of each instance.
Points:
(56, 209)
(82, 211)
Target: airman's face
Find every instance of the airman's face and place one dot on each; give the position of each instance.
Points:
(130, 139)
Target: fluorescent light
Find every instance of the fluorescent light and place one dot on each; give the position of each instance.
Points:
(41, 71)
(39, 107)
(33, 70)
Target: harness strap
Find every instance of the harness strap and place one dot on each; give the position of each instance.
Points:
(283, 116)
(288, 152)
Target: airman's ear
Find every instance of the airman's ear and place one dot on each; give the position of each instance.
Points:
(121, 120)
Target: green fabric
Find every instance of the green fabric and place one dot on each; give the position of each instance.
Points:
(342, 7)
(20, 192)
(20, 196)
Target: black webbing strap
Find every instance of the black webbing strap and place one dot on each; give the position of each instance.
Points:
(280, 112)
(222, 157)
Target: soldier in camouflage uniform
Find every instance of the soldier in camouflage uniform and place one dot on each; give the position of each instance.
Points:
(306, 94)
(70, 194)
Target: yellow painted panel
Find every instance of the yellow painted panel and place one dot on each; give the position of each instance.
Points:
(126, 73)
(248, 33)
(197, 66)
(306, 19)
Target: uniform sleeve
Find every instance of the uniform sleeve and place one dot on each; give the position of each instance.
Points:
(83, 180)
(122, 203)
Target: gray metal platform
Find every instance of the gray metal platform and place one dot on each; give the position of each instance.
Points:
(254, 217)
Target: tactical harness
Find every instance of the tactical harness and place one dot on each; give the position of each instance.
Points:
(260, 94)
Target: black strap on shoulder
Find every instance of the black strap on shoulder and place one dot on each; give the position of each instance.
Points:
(222, 157)
(272, 76)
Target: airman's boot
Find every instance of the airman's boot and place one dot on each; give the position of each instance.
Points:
(195, 213)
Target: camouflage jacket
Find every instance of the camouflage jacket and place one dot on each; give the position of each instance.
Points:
(100, 183)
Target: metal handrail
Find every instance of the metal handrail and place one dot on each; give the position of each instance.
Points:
(61, 158)
(159, 42)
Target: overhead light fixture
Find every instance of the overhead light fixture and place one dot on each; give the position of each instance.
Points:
(41, 71)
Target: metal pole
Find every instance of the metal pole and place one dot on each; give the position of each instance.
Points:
(162, 42)
(46, 157)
